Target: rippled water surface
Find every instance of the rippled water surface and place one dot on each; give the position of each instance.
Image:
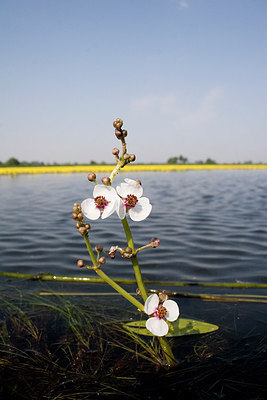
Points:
(212, 226)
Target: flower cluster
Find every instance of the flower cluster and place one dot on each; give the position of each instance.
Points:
(127, 198)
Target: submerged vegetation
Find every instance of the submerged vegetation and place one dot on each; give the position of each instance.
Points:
(54, 348)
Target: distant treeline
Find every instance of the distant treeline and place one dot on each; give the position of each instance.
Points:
(14, 162)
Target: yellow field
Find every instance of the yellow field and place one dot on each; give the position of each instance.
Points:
(63, 169)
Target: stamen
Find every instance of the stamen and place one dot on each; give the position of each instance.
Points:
(101, 202)
(131, 200)
(161, 312)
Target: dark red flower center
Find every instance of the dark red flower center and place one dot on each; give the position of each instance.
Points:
(130, 201)
(101, 202)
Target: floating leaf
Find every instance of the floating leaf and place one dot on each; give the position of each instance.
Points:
(180, 327)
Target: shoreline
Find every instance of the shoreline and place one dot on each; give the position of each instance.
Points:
(63, 169)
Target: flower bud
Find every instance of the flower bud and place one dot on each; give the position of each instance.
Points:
(126, 156)
(118, 123)
(80, 263)
(80, 216)
(99, 248)
(115, 151)
(102, 260)
(74, 215)
(106, 181)
(112, 251)
(163, 297)
(155, 242)
(87, 227)
(124, 133)
(127, 252)
(118, 134)
(82, 230)
(91, 177)
(132, 157)
(79, 224)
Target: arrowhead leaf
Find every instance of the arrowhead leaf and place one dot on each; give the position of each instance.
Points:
(181, 327)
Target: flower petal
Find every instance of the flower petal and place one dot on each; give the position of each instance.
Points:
(151, 304)
(141, 211)
(136, 188)
(123, 190)
(107, 191)
(89, 209)
(108, 210)
(157, 326)
(120, 208)
(172, 310)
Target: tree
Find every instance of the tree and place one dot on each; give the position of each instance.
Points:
(182, 160)
(210, 161)
(172, 160)
(12, 162)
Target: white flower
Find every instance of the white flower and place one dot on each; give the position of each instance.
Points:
(131, 201)
(103, 204)
(168, 310)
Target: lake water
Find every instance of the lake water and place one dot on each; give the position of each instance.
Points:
(212, 226)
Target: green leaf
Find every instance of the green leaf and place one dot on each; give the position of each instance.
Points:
(180, 327)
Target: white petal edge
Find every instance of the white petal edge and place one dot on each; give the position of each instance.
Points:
(157, 326)
(135, 186)
(120, 208)
(109, 209)
(122, 190)
(89, 209)
(107, 191)
(172, 310)
(141, 211)
(151, 304)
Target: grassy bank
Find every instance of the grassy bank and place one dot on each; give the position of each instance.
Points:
(68, 169)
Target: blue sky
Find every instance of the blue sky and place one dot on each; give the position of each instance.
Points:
(187, 77)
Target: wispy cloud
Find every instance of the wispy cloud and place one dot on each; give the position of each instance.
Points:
(170, 107)
(182, 5)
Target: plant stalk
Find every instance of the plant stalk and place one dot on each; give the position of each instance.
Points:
(137, 271)
(108, 280)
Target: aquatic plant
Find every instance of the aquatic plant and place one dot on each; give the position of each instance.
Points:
(127, 200)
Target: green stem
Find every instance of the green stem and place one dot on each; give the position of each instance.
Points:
(115, 171)
(167, 351)
(90, 250)
(119, 289)
(137, 271)
(65, 278)
(110, 281)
